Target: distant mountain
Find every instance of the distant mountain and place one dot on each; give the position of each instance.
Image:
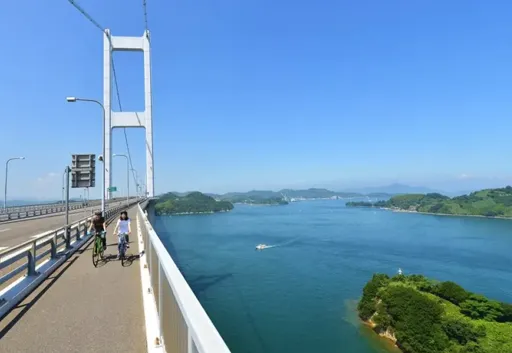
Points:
(395, 189)
(312, 193)
(253, 193)
(315, 193)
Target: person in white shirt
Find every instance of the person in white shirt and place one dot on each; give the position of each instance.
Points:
(123, 227)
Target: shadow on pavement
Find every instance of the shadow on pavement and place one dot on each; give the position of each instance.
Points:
(130, 259)
(27, 306)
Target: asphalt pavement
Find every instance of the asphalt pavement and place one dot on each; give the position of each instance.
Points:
(81, 308)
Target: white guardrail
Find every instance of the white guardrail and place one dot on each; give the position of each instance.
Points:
(183, 325)
(39, 257)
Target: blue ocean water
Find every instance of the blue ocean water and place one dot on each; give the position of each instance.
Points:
(300, 295)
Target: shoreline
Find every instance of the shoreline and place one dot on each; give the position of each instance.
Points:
(189, 213)
(387, 335)
(433, 214)
(444, 214)
(259, 204)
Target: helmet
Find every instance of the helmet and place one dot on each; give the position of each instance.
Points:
(97, 213)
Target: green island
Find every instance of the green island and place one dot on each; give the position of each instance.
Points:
(425, 316)
(485, 203)
(192, 203)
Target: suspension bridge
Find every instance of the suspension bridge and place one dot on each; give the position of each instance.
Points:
(52, 298)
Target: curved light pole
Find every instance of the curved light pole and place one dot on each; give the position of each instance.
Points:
(127, 175)
(6, 173)
(75, 99)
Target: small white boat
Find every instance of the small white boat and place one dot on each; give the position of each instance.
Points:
(261, 246)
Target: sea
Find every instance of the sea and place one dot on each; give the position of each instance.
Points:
(300, 295)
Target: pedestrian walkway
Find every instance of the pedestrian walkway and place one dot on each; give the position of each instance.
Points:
(83, 309)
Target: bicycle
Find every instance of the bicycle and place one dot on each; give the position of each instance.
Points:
(97, 249)
(122, 246)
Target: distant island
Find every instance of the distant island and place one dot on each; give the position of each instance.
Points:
(291, 195)
(485, 203)
(424, 316)
(255, 200)
(192, 203)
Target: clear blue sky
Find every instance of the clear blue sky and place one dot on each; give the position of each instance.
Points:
(265, 94)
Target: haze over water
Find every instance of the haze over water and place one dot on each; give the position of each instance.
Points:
(300, 297)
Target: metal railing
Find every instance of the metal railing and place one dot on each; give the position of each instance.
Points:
(184, 326)
(37, 207)
(16, 213)
(39, 257)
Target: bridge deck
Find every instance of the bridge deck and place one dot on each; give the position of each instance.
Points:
(81, 308)
(16, 232)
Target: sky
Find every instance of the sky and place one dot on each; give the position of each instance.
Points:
(265, 94)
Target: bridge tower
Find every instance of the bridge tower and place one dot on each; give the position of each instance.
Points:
(127, 119)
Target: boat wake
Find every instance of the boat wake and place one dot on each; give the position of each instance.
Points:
(265, 246)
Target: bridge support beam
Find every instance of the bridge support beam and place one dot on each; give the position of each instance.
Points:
(127, 119)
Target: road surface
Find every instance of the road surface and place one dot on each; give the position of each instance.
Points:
(17, 232)
(81, 308)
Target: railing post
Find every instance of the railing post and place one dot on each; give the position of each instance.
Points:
(67, 235)
(160, 314)
(54, 245)
(77, 234)
(190, 346)
(31, 268)
(148, 249)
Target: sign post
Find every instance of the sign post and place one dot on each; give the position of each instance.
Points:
(66, 229)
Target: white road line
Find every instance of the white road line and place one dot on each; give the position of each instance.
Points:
(3, 248)
(4, 230)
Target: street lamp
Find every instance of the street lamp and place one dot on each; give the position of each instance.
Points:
(76, 99)
(63, 186)
(127, 174)
(6, 171)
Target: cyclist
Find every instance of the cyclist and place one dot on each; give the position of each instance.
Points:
(98, 223)
(123, 227)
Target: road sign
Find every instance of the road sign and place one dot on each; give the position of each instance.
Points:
(82, 179)
(83, 171)
(112, 188)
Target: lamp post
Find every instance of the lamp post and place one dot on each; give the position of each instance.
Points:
(75, 99)
(63, 187)
(127, 175)
(6, 173)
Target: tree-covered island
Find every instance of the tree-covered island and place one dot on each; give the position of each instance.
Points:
(252, 200)
(424, 316)
(192, 203)
(486, 203)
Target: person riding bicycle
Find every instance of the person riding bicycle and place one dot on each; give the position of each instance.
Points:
(123, 227)
(98, 224)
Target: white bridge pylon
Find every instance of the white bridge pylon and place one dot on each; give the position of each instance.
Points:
(127, 119)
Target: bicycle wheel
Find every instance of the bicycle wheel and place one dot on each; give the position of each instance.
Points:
(95, 253)
(101, 248)
(123, 252)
